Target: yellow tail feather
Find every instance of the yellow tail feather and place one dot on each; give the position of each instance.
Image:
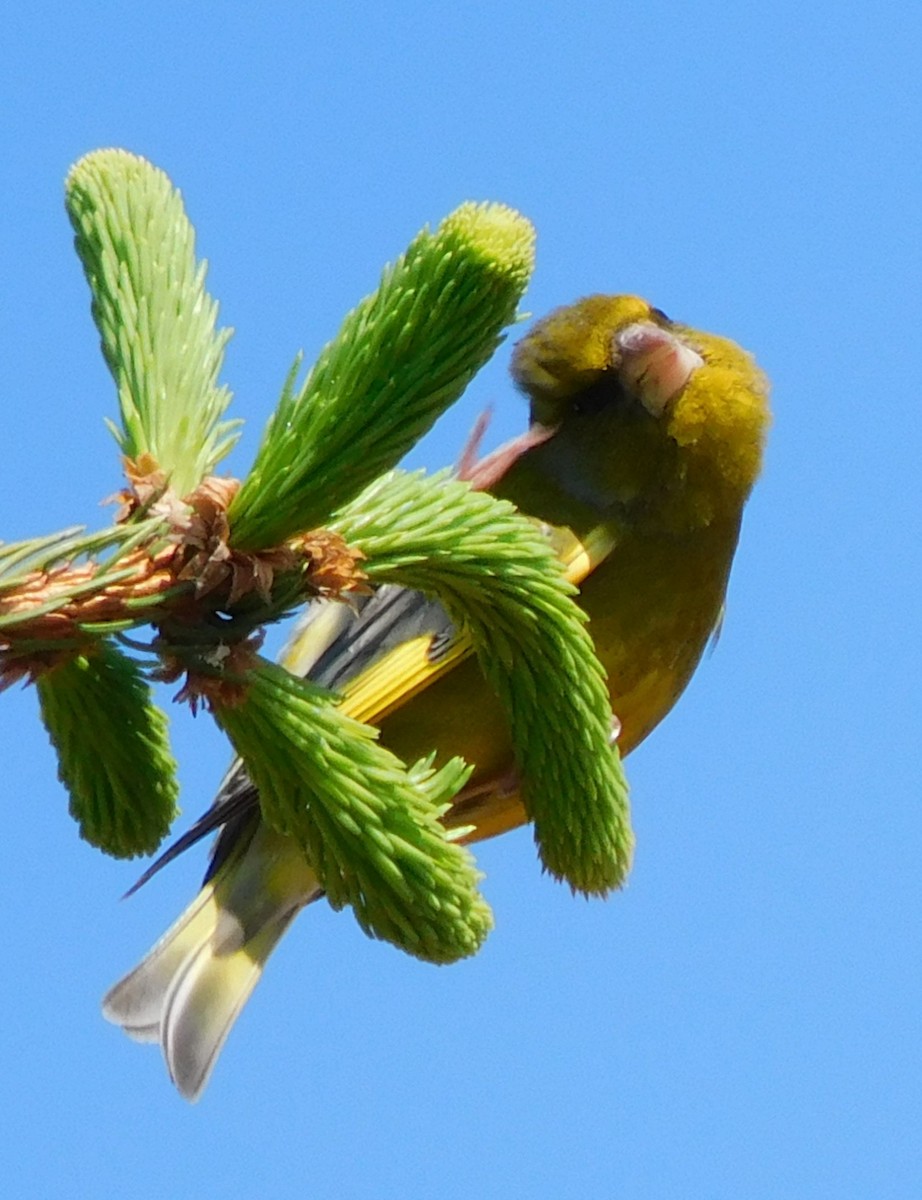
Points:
(189, 990)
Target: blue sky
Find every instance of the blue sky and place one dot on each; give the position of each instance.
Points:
(744, 1019)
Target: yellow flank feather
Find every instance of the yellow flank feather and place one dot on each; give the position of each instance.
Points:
(646, 437)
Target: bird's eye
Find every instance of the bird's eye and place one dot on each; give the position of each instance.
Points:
(658, 315)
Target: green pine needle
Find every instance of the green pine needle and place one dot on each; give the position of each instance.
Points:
(497, 575)
(368, 827)
(155, 318)
(113, 752)
(401, 358)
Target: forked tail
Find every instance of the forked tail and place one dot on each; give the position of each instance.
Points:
(188, 991)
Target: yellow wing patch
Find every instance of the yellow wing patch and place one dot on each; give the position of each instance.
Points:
(398, 676)
(409, 668)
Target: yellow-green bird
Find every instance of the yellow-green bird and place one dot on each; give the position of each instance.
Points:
(645, 440)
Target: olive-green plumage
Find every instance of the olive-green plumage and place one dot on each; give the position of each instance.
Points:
(645, 440)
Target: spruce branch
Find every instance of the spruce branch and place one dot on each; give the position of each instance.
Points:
(113, 751)
(207, 565)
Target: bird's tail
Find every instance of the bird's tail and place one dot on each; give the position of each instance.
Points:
(188, 991)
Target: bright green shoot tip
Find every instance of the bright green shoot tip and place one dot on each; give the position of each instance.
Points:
(154, 316)
(402, 356)
(113, 751)
(368, 826)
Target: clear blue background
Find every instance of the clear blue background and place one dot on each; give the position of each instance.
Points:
(744, 1020)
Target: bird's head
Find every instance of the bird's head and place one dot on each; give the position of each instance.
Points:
(633, 416)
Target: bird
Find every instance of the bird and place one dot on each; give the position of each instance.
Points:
(644, 441)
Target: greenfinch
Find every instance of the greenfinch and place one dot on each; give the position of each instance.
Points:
(644, 442)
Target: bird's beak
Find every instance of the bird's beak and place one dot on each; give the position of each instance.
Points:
(654, 363)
